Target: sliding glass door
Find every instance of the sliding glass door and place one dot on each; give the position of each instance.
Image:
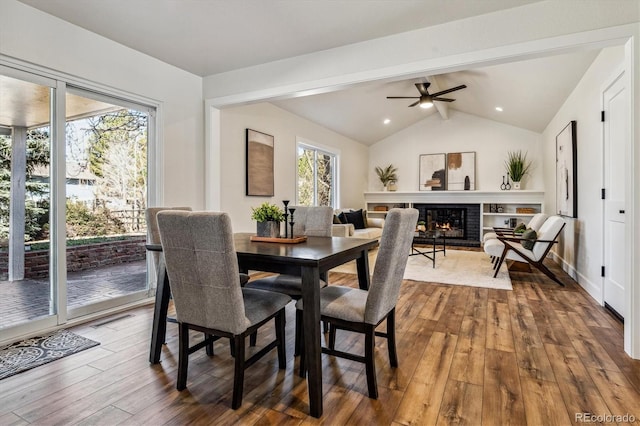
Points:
(73, 192)
(26, 288)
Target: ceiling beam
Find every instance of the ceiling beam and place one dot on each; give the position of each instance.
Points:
(442, 107)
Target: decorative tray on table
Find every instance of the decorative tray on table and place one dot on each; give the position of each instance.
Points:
(294, 240)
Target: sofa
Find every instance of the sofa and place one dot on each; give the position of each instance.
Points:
(351, 226)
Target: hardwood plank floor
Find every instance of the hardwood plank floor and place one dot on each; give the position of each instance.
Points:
(537, 355)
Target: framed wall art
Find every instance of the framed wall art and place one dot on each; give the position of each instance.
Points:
(433, 172)
(461, 171)
(566, 169)
(259, 167)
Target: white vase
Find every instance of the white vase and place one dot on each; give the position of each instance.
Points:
(516, 185)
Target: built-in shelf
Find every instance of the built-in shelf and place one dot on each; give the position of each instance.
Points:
(490, 202)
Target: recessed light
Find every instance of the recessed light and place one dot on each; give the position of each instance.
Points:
(499, 109)
(386, 121)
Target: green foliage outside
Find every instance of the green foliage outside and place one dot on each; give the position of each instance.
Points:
(314, 170)
(84, 222)
(36, 209)
(115, 151)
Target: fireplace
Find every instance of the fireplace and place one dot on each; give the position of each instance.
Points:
(459, 222)
(449, 221)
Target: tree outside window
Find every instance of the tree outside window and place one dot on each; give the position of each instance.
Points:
(316, 176)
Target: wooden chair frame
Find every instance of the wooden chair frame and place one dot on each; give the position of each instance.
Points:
(508, 245)
(238, 350)
(369, 331)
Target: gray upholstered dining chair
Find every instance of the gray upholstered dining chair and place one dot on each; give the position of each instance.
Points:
(203, 270)
(312, 222)
(362, 311)
(153, 234)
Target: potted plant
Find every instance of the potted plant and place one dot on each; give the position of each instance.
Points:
(268, 217)
(387, 176)
(517, 167)
(421, 227)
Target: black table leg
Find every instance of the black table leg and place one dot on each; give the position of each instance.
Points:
(159, 330)
(362, 266)
(312, 347)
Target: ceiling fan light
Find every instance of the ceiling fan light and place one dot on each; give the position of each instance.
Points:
(426, 104)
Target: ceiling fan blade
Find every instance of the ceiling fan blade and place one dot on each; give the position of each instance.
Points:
(453, 89)
(422, 88)
(414, 104)
(443, 99)
(403, 97)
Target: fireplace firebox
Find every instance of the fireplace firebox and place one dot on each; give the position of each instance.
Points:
(460, 223)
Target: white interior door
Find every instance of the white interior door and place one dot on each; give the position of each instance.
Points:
(616, 137)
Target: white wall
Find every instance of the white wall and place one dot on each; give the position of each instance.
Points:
(35, 37)
(285, 127)
(460, 133)
(581, 245)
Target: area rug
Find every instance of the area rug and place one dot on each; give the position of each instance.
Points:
(458, 267)
(30, 353)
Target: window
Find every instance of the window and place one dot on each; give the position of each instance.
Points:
(317, 176)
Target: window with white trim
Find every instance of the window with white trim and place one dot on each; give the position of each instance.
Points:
(317, 176)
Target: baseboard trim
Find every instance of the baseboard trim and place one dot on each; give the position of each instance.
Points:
(594, 290)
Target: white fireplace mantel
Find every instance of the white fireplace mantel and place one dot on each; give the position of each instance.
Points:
(524, 196)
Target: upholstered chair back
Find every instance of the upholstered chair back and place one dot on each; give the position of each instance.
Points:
(203, 269)
(549, 230)
(395, 246)
(537, 221)
(312, 221)
(153, 234)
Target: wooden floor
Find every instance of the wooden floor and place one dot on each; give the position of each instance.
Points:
(536, 355)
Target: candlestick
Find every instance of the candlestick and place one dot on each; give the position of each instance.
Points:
(286, 203)
(291, 210)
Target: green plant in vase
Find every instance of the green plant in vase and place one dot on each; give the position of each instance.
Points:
(517, 167)
(268, 217)
(387, 175)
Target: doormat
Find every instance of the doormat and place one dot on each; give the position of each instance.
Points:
(30, 353)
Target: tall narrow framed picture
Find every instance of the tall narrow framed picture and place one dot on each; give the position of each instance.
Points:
(566, 169)
(259, 165)
(461, 171)
(433, 172)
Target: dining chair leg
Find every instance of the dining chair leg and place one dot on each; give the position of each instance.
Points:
(325, 326)
(209, 347)
(183, 355)
(369, 355)
(391, 338)
(282, 351)
(298, 335)
(238, 374)
(253, 338)
(332, 336)
(302, 372)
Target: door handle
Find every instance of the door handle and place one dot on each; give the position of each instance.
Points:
(621, 211)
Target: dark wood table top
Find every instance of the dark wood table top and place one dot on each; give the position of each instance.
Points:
(322, 252)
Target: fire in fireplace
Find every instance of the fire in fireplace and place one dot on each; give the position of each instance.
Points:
(450, 221)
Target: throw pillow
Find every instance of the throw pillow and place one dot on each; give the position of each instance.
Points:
(364, 218)
(529, 239)
(342, 218)
(520, 228)
(355, 217)
(336, 220)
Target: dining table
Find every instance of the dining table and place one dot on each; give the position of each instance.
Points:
(310, 259)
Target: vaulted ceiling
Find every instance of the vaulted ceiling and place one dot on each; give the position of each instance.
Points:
(209, 37)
